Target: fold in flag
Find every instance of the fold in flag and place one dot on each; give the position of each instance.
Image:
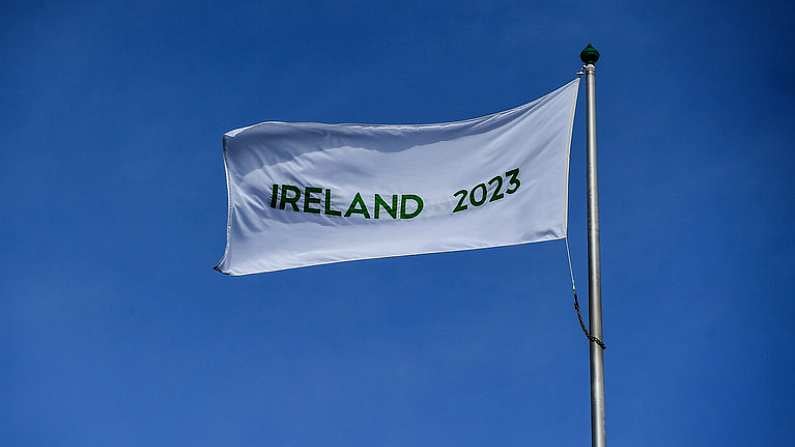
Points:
(304, 194)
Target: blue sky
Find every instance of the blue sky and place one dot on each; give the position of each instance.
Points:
(114, 329)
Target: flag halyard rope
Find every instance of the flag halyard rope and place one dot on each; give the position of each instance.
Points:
(577, 309)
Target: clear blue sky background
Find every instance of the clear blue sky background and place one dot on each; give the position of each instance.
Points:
(115, 331)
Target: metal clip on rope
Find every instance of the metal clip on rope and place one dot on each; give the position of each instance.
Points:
(582, 323)
(577, 302)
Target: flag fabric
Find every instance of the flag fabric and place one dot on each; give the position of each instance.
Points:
(304, 194)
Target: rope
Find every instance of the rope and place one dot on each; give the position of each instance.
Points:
(577, 302)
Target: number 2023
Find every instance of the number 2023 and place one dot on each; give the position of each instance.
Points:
(478, 194)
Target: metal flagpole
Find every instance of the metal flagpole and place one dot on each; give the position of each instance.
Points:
(589, 56)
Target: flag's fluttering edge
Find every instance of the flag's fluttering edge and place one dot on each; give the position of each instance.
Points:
(304, 194)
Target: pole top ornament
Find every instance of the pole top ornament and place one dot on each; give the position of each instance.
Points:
(589, 55)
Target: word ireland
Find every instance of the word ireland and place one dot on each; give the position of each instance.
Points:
(319, 200)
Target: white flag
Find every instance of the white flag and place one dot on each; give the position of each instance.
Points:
(304, 194)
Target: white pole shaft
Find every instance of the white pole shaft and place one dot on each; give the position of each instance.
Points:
(598, 438)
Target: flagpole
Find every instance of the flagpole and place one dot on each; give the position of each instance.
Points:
(589, 56)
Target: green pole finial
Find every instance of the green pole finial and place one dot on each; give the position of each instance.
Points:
(589, 55)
